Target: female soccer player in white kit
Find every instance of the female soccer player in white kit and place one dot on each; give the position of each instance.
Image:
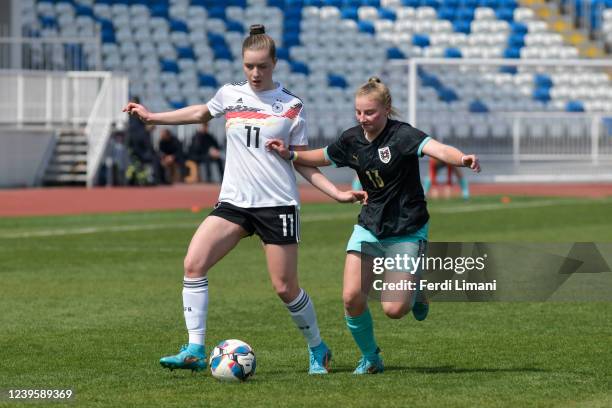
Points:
(258, 195)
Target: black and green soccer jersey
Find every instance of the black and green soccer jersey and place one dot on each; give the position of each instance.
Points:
(388, 169)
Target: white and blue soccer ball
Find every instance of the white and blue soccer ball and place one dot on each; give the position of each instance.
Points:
(232, 360)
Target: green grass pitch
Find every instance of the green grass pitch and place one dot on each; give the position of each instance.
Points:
(92, 302)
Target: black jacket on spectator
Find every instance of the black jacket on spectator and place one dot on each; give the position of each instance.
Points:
(200, 145)
(139, 141)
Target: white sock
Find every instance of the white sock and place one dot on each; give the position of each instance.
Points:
(304, 316)
(195, 307)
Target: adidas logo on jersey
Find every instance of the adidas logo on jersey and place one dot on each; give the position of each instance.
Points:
(239, 101)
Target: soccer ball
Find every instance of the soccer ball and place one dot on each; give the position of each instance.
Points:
(232, 360)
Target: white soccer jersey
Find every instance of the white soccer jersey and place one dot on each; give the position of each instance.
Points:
(253, 176)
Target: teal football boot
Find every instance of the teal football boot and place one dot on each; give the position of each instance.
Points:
(370, 365)
(190, 357)
(320, 357)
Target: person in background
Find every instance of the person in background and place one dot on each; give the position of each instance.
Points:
(144, 164)
(205, 151)
(170, 157)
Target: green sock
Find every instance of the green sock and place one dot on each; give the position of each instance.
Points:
(362, 329)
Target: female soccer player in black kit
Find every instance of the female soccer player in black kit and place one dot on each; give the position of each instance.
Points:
(384, 153)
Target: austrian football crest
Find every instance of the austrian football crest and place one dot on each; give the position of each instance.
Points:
(384, 154)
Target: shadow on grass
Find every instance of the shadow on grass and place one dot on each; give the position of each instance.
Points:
(459, 370)
(449, 370)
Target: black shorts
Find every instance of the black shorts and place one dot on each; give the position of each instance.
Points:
(274, 225)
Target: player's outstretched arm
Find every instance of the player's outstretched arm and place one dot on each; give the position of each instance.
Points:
(310, 158)
(183, 116)
(451, 155)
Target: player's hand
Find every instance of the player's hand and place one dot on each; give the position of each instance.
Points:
(352, 196)
(279, 147)
(471, 161)
(138, 110)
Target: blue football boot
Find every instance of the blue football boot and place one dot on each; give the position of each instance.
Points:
(190, 357)
(370, 365)
(320, 357)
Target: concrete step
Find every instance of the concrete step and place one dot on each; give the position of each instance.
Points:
(69, 158)
(67, 168)
(72, 139)
(61, 148)
(65, 178)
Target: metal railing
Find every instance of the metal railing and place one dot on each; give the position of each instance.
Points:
(89, 100)
(105, 113)
(51, 54)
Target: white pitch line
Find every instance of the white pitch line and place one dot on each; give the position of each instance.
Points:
(309, 218)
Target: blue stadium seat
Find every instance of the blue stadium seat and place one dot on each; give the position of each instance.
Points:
(333, 3)
(574, 106)
(178, 104)
(81, 10)
(462, 26)
(291, 39)
(430, 80)
(108, 36)
(454, 4)
(159, 10)
(447, 13)
(371, 3)
(185, 53)
(494, 4)
(169, 66)
(387, 14)
(276, 3)
(469, 4)
(351, 3)
(420, 40)
(337, 81)
(233, 25)
(477, 106)
(366, 27)
(178, 25)
(516, 41)
(430, 3)
(299, 67)
(518, 27)
(410, 3)
(215, 39)
(465, 14)
(222, 52)
(207, 80)
(508, 4)
(216, 12)
(512, 52)
(313, 3)
(542, 81)
(283, 53)
(506, 14)
(294, 4)
(350, 13)
(293, 13)
(447, 95)
(509, 69)
(541, 94)
(48, 22)
(395, 53)
(292, 25)
(452, 52)
(105, 24)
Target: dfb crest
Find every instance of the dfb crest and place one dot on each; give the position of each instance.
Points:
(384, 154)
